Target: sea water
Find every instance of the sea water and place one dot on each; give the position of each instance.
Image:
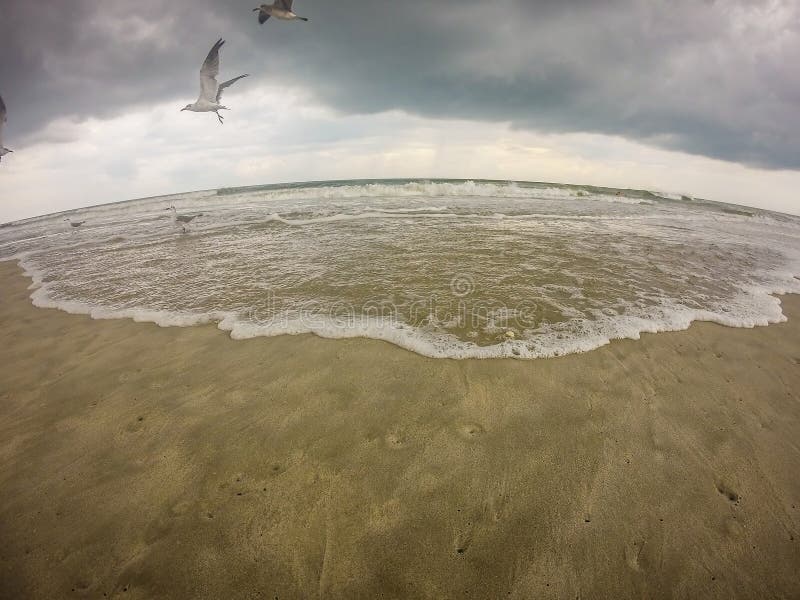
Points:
(452, 269)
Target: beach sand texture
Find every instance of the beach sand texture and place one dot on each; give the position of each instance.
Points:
(141, 462)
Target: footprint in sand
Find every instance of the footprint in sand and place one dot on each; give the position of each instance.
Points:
(463, 540)
(395, 440)
(497, 502)
(471, 431)
(181, 508)
(728, 492)
(633, 551)
(136, 425)
(733, 528)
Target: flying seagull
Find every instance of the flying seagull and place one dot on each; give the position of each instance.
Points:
(182, 220)
(2, 120)
(280, 9)
(210, 90)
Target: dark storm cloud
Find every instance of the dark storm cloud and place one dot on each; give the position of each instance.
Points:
(713, 78)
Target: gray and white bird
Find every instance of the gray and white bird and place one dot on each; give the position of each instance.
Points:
(280, 9)
(74, 224)
(210, 90)
(3, 150)
(182, 220)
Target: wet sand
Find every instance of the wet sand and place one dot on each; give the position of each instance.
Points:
(140, 462)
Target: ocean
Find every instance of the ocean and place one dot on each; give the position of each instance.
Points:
(447, 269)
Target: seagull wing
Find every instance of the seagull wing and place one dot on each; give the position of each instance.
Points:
(230, 82)
(2, 119)
(284, 4)
(209, 72)
(262, 17)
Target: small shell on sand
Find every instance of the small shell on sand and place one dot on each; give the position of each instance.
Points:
(510, 335)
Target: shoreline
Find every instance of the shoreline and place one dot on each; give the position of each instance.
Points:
(141, 462)
(398, 337)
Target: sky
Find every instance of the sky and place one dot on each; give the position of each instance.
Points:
(700, 97)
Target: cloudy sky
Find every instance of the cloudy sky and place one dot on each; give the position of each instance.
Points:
(689, 96)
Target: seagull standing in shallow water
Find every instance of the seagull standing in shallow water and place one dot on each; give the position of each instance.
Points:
(210, 90)
(2, 121)
(182, 220)
(280, 9)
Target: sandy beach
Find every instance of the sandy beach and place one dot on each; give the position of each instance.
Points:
(147, 462)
